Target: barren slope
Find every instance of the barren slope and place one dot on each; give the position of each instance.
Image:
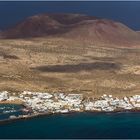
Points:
(64, 65)
(44, 25)
(83, 28)
(102, 31)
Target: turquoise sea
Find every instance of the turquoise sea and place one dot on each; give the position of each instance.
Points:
(76, 125)
(7, 110)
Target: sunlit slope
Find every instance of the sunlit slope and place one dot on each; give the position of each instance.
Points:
(83, 28)
(64, 65)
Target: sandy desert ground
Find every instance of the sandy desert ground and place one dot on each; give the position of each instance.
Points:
(64, 65)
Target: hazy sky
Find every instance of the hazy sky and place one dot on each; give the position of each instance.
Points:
(126, 12)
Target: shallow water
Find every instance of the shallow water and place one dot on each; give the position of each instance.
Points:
(6, 110)
(79, 125)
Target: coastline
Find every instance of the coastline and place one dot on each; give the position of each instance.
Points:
(37, 104)
(16, 102)
(28, 117)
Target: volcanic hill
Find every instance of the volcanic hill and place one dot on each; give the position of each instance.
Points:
(75, 26)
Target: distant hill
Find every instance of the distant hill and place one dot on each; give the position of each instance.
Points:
(74, 26)
(45, 24)
(0, 33)
(105, 31)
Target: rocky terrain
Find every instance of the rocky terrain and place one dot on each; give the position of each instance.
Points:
(70, 53)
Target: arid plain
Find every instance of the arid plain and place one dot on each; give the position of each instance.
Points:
(58, 65)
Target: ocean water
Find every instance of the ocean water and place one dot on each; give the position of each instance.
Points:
(6, 110)
(77, 125)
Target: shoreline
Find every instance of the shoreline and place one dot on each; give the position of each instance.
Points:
(12, 102)
(37, 104)
(28, 117)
